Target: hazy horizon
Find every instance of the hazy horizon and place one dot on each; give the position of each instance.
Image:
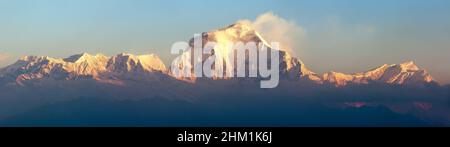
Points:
(327, 35)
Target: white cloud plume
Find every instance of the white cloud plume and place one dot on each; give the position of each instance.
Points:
(276, 29)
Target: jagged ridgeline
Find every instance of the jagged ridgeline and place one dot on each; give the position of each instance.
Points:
(150, 67)
(99, 85)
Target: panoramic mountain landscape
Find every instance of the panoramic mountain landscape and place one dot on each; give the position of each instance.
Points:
(140, 90)
(250, 72)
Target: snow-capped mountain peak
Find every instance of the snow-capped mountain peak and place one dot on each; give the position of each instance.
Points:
(129, 62)
(78, 58)
(128, 66)
(406, 73)
(85, 57)
(80, 66)
(244, 32)
(409, 66)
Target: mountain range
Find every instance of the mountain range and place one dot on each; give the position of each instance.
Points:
(122, 67)
(33, 83)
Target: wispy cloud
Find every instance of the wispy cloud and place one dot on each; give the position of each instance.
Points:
(277, 29)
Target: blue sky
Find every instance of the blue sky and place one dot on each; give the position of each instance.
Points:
(341, 35)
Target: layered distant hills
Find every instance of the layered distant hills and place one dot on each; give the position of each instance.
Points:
(35, 82)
